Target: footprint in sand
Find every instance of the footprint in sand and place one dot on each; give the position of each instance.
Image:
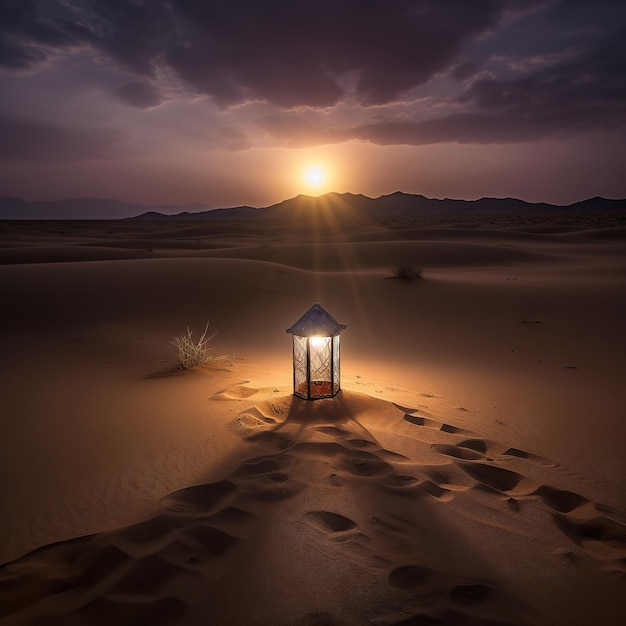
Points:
(260, 465)
(436, 491)
(393, 457)
(361, 463)
(364, 444)
(533, 458)
(271, 440)
(264, 478)
(339, 529)
(329, 522)
(418, 420)
(254, 418)
(601, 537)
(491, 476)
(333, 431)
(478, 445)
(236, 392)
(404, 409)
(455, 430)
(458, 452)
(416, 578)
(427, 422)
(124, 576)
(559, 500)
(470, 594)
(411, 486)
(400, 480)
(361, 443)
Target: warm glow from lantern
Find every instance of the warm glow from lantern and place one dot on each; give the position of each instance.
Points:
(317, 342)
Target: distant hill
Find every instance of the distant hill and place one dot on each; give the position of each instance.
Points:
(84, 208)
(234, 213)
(346, 207)
(303, 210)
(322, 212)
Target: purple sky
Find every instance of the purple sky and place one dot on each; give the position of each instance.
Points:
(227, 102)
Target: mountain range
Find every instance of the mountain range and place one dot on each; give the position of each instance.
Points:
(342, 206)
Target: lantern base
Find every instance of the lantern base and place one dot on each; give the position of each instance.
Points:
(319, 389)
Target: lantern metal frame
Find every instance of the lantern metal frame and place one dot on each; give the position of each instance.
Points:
(316, 362)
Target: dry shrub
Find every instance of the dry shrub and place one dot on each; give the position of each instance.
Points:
(193, 353)
(407, 271)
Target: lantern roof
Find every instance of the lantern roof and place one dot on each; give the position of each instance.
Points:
(316, 321)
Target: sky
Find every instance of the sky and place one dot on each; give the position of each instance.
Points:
(243, 102)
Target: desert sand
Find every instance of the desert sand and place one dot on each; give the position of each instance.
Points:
(470, 472)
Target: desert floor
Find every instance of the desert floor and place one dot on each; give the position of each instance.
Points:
(470, 472)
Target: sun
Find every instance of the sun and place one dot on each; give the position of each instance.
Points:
(315, 176)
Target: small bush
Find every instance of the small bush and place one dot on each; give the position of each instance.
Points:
(407, 271)
(192, 353)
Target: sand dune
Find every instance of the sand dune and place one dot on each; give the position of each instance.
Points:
(470, 472)
(447, 535)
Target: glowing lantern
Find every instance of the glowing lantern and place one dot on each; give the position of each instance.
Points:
(316, 354)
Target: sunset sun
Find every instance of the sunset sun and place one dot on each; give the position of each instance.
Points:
(315, 176)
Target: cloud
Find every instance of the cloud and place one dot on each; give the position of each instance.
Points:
(30, 140)
(297, 131)
(28, 34)
(569, 94)
(464, 70)
(286, 53)
(314, 55)
(476, 128)
(292, 53)
(139, 94)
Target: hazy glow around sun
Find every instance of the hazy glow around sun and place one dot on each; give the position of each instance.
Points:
(314, 172)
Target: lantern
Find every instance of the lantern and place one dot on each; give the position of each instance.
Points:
(316, 354)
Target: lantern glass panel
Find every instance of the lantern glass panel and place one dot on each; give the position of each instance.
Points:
(335, 364)
(300, 365)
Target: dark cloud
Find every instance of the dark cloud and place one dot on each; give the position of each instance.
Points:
(585, 92)
(283, 52)
(595, 76)
(28, 33)
(134, 33)
(292, 53)
(582, 91)
(139, 94)
(318, 53)
(30, 140)
(16, 56)
(464, 70)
